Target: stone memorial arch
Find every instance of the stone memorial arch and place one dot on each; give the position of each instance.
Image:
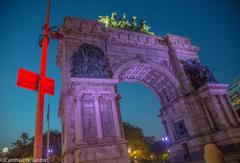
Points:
(93, 59)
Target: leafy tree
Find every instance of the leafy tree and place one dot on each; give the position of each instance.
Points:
(138, 148)
(23, 147)
(160, 151)
(158, 147)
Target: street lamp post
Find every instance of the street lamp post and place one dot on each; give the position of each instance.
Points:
(41, 83)
(37, 150)
(165, 141)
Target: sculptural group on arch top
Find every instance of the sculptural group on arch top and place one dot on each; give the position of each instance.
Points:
(115, 22)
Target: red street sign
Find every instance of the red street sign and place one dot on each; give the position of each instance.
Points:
(49, 86)
(29, 80)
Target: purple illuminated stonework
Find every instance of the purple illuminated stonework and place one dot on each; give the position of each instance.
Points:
(93, 59)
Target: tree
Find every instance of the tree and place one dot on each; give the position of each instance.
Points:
(138, 148)
(160, 151)
(23, 147)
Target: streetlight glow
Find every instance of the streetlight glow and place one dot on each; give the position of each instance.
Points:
(5, 150)
(50, 151)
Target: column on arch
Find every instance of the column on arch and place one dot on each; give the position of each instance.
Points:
(228, 104)
(98, 117)
(212, 96)
(116, 116)
(220, 112)
(107, 115)
(68, 130)
(227, 110)
(208, 114)
(78, 118)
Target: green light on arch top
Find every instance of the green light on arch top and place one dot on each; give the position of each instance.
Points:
(115, 22)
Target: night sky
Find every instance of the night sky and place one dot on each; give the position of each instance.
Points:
(213, 25)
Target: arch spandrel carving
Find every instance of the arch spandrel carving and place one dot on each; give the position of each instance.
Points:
(89, 62)
(157, 80)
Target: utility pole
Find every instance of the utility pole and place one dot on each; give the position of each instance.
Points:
(38, 139)
(40, 83)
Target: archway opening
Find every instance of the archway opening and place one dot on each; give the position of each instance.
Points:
(140, 107)
(160, 85)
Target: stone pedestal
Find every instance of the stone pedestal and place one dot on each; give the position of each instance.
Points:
(94, 131)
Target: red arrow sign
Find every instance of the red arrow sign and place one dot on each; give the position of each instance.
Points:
(30, 80)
